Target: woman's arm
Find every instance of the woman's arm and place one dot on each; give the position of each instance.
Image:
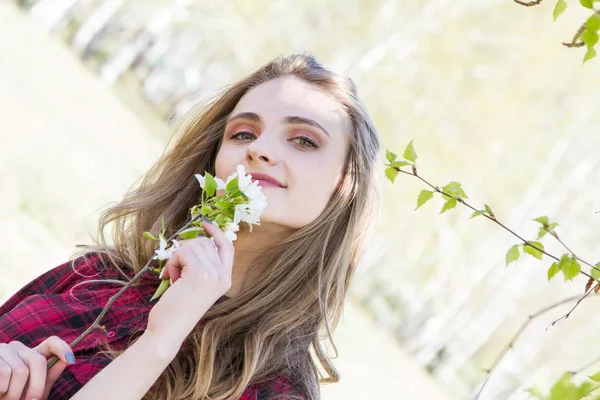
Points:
(132, 374)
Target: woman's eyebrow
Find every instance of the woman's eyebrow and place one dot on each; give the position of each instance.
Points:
(288, 120)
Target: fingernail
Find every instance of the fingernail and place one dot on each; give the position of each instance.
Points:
(70, 358)
(207, 220)
(171, 280)
(161, 273)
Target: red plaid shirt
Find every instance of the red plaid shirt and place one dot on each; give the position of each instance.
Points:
(47, 306)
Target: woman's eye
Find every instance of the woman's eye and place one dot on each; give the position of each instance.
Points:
(242, 133)
(305, 141)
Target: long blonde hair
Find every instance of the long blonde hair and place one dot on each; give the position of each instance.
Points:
(268, 328)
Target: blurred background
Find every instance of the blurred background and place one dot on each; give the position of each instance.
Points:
(89, 90)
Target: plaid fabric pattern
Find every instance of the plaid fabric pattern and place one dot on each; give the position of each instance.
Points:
(60, 303)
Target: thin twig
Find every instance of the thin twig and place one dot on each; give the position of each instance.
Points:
(574, 42)
(492, 218)
(516, 336)
(572, 309)
(96, 324)
(529, 3)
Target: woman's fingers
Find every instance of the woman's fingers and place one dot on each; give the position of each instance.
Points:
(54, 346)
(5, 373)
(224, 246)
(17, 377)
(36, 363)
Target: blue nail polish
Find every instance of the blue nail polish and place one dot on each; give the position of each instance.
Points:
(207, 220)
(70, 358)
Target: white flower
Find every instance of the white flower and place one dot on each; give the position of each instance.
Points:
(249, 213)
(202, 179)
(162, 252)
(230, 231)
(243, 180)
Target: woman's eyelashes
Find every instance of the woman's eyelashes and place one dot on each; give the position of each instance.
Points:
(302, 140)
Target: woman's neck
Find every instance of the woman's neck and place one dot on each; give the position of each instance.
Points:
(250, 245)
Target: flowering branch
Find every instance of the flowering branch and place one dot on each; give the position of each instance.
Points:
(243, 201)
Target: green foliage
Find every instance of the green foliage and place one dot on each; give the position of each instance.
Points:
(391, 173)
(150, 236)
(451, 203)
(390, 156)
(512, 254)
(424, 196)
(546, 227)
(553, 270)
(596, 271)
(559, 8)
(210, 185)
(409, 153)
(477, 213)
(191, 233)
(164, 285)
(453, 189)
(565, 389)
(532, 251)
(569, 266)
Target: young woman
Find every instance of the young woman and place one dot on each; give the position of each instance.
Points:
(238, 322)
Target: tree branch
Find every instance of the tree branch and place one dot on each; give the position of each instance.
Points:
(510, 344)
(96, 324)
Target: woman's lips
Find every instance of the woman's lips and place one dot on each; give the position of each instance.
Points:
(264, 184)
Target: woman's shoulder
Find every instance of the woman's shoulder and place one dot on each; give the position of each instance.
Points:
(68, 298)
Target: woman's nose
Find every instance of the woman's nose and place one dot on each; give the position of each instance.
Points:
(261, 149)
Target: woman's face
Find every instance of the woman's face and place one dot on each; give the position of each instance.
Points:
(296, 134)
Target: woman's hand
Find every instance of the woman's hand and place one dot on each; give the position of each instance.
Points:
(200, 272)
(23, 374)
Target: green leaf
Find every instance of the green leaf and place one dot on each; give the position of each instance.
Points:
(569, 266)
(542, 220)
(512, 254)
(391, 156)
(553, 270)
(559, 8)
(210, 185)
(590, 38)
(477, 213)
(593, 23)
(488, 209)
(564, 389)
(552, 226)
(206, 210)
(222, 205)
(398, 164)
(190, 233)
(232, 185)
(533, 251)
(164, 285)
(221, 220)
(162, 221)
(591, 53)
(595, 377)
(453, 189)
(596, 271)
(534, 391)
(150, 236)
(409, 153)
(587, 3)
(542, 232)
(391, 174)
(424, 196)
(451, 203)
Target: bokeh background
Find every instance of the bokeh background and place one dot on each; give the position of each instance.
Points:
(89, 90)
